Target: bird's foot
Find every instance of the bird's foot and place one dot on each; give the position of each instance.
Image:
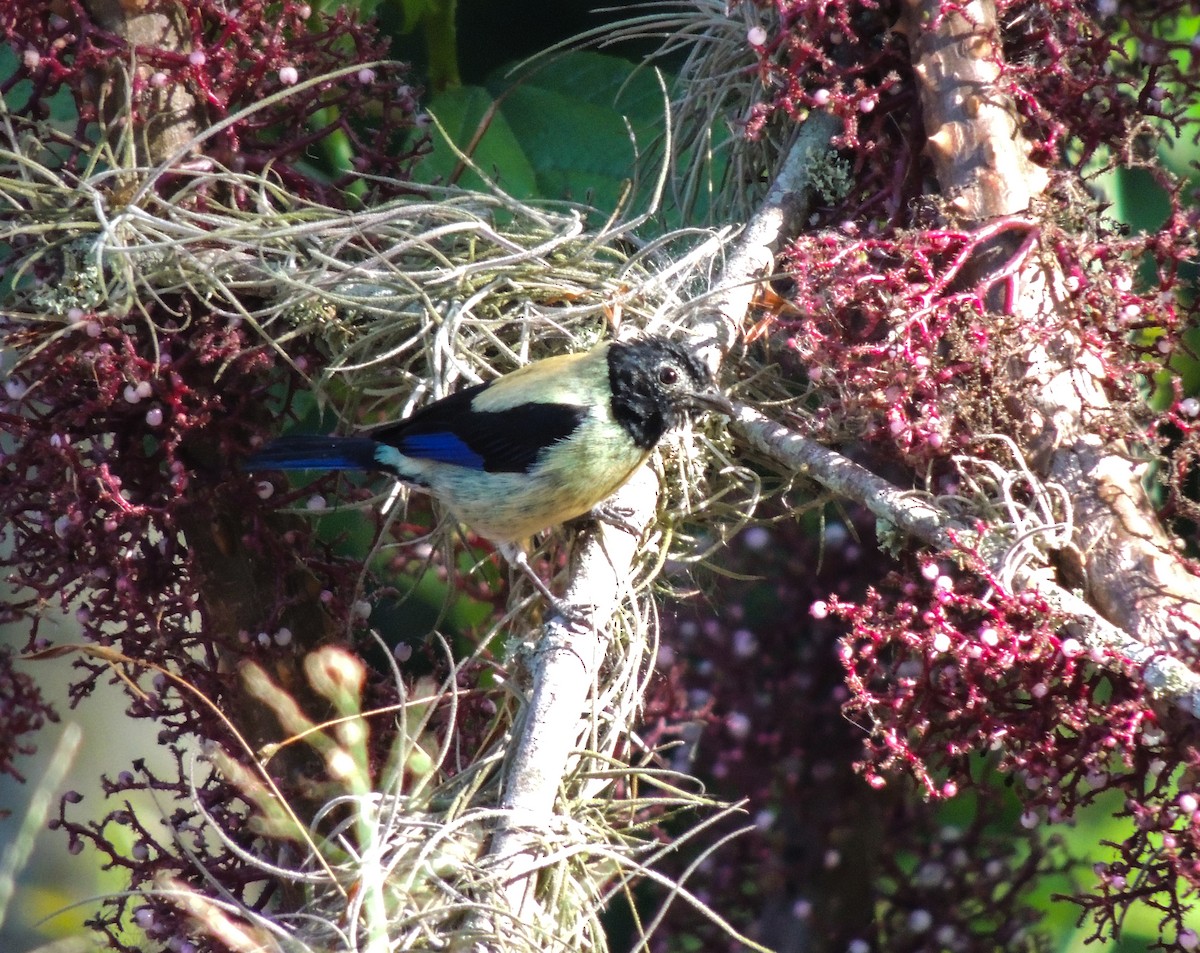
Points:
(617, 516)
(577, 616)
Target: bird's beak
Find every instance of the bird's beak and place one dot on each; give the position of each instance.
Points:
(713, 400)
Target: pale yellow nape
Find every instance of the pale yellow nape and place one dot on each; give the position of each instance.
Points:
(579, 380)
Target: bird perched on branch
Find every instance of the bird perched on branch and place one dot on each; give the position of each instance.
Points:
(532, 449)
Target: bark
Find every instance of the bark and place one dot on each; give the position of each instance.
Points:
(555, 707)
(172, 115)
(1122, 556)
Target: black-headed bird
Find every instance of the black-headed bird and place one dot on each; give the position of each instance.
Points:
(543, 445)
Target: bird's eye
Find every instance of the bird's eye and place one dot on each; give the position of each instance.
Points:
(668, 375)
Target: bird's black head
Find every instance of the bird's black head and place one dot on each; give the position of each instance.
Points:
(655, 383)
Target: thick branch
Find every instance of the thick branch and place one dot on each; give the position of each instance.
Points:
(552, 715)
(566, 665)
(173, 112)
(1129, 570)
(981, 160)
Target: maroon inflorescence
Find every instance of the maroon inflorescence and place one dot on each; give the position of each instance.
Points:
(230, 61)
(124, 431)
(907, 358)
(755, 689)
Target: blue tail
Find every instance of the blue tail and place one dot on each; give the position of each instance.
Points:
(309, 452)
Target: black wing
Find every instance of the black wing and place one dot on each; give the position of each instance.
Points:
(502, 441)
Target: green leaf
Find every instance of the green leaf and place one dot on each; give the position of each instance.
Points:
(577, 150)
(561, 130)
(463, 114)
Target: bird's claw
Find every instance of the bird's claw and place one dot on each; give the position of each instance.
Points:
(577, 616)
(614, 514)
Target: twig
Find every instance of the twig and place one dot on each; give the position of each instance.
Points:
(1166, 677)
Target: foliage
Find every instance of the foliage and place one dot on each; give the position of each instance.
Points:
(906, 732)
(910, 357)
(225, 63)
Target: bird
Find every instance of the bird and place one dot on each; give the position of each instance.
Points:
(543, 445)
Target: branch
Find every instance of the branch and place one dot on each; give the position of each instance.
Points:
(567, 661)
(716, 329)
(552, 716)
(175, 111)
(1128, 568)
(1166, 677)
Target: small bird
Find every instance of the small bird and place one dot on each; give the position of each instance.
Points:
(543, 445)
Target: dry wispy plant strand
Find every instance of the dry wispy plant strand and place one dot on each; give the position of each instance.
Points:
(475, 803)
(381, 310)
(407, 844)
(716, 167)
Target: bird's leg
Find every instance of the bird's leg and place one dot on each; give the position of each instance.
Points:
(516, 556)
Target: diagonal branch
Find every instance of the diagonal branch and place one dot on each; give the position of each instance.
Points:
(1167, 678)
(568, 661)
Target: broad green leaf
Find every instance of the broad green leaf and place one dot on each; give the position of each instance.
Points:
(577, 150)
(462, 113)
(570, 129)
